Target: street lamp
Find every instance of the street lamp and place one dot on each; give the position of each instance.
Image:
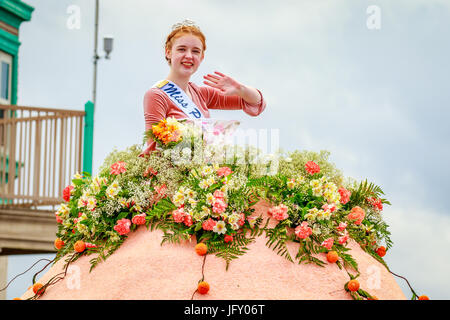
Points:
(108, 45)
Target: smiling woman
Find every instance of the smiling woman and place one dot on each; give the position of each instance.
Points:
(177, 97)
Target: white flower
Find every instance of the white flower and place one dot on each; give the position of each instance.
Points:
(210, 199)
(220, 227)
(77, 176)
(317, 192)
(211, 181)
(206, 170)
(192, 202)
(112, 192)
(91, 203)
(178, 199)
(203, 184)
(316, 229)
(315, 184)
(171, 121)
(63, 211)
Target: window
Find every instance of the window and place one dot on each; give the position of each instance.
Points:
(5, 78)
(4, 91)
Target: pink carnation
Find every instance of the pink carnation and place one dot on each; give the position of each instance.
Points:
(118, 168)
(223, 171)
(219, 206)
(58, 219)
(241, 221)
(303, 231)
(376, 203)
(150, 172)
(139, 219)
(342, 226)
(122, 226)
(328, 243)
(343, 239)
(345, 195)
(329, 207)
(162, 190)
(178, 215)
(219, 195)
(209, 224)
(279, 212)
(311, 167)
(90, 245)
(188, 220)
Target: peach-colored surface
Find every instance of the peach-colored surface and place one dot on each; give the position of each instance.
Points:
(143, 269)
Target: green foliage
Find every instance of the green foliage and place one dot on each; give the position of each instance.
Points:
(278, 239)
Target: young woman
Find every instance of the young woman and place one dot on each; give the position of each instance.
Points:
(185, 50)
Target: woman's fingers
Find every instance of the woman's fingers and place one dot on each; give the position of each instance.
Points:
(211, 84)
(213, 76)
(210, 78)
(219, 73)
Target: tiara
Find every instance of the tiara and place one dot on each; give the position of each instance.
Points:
(184, 23)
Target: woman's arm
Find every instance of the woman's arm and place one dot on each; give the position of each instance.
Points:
(230, 94)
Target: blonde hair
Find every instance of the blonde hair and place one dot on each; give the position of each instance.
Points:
(179, 32)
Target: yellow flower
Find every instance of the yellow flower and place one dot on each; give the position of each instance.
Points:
(291, 183)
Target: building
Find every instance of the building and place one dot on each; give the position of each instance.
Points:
(40, 150)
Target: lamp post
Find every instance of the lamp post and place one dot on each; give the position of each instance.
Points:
(107, 47)
(89, 127)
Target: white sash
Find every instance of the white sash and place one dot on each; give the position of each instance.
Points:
(179, 98)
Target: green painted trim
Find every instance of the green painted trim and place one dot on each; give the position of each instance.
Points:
(88, 145)
(9, 43)
(10, 19)
(18, 8)
(14, 79)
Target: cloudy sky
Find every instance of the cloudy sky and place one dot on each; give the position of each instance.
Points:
(372, 92)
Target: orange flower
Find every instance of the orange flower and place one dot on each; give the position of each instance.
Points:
(353, 285)
(424, 298)
(357, 214)
(79, 246)
(203, 287)
(332, 256)
(201, 249)
(17, 299)
(37, 288)
(381, 251)
(58, 243)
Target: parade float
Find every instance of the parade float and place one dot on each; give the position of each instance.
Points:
(202, 219)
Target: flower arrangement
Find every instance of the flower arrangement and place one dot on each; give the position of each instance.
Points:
(212, 203)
